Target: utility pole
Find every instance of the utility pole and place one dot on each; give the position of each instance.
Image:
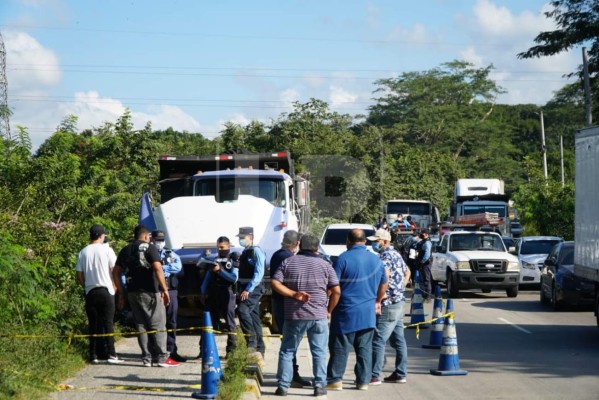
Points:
(543, 147)
(4, 111)
(587, 88)
(561, 152)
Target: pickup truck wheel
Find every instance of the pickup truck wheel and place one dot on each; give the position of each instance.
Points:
(555, 304)
(512, 292)
(452, 288)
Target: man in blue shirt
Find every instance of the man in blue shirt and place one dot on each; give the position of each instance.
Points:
(425, 261)
(218, 286)
(251, 289)
(171, 266)
(363, 283)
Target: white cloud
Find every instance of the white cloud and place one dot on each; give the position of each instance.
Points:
(339, 96)
(289, 96)
(29, 64)
(165, 116)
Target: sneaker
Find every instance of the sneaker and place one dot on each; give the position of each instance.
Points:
(375, 381)
(362, 387)
(115, 360)
(94, 361)
(147, 363)
(280, 392)
(395, 378)
(335, 386)
(298, 382)
(320, 393)
(178, 358)
(169, 362)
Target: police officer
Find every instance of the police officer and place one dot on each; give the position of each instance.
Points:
(171, 266)
(219, 288)
(250, 289)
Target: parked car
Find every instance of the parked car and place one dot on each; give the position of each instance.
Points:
(559, 285)
(334, 238)
(532, 252)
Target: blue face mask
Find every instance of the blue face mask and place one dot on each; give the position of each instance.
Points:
(242, 242)
(376, 247)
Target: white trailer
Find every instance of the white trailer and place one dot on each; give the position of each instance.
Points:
(586, 220)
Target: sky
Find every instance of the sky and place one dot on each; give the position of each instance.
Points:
(195, 64)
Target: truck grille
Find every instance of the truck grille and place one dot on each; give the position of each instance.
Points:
(488, 265)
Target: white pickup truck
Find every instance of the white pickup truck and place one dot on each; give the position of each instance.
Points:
(475, 260)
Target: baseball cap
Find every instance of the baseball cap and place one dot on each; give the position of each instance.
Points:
(96, 231)
(158, 235)
(380, 234)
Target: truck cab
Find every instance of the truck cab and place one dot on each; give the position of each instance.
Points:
(475, 260)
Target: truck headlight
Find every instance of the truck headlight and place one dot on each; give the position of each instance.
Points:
(462, 265)
(515, 266)
(529, 265)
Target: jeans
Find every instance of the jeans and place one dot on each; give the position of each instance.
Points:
(278, 313)
(339, 347)
(150, 314)
(389, 325)
(293, 331)
(249, 319)
(99, 307)
(171, 321)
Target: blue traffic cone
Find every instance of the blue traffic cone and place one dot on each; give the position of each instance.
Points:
(417, 312)
(449, 360)
(436, 337)
(211, 369)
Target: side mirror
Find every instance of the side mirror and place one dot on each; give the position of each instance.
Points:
(512, 250)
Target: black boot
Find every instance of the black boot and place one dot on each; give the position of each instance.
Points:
(298, 381)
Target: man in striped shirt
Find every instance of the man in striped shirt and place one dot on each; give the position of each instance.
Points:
(305, 281)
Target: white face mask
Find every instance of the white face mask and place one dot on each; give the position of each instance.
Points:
(160, 245)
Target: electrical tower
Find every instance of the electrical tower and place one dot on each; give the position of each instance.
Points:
(4, 111)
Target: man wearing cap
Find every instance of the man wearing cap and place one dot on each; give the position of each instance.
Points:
(304, 281)
(424, 263)
(94, 272)
(363, 283)
(148, 295)
(250, 289)
(171, 267)
(289, 247)
(389, 324)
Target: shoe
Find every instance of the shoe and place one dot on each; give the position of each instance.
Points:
(335, 386)
(298, 382)
(147, 363)
(94, 361)
(169, 362)
(178, 358)
(320, 393)
(280, 392)
(362, 387)
(375, 382)
(395, 378)
(115, 360)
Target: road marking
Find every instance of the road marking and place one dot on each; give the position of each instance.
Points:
(514, 325)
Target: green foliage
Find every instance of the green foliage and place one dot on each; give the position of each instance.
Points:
(232, 386)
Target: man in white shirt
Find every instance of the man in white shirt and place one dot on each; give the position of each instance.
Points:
(94, 273)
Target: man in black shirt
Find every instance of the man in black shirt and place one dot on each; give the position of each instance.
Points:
(148, 294)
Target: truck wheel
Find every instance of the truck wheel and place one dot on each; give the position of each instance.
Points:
(555, 304)
(542, 297)
(452, 287)
(512, 292)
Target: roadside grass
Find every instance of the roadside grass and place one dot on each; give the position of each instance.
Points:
(30, 368)
(232, 386)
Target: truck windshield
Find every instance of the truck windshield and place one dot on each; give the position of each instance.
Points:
(409, 208)
(229, 189)
(537, 246)
(479, 209)
(476, 242)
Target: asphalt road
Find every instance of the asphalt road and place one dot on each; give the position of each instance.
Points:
(511, 348)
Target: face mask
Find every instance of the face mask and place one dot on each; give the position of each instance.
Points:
(223, 253)
(242, 242)
(376, 247)
(160, 245)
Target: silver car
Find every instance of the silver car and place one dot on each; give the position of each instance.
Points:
(532, 252)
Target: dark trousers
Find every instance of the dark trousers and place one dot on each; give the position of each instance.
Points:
(249, 319)
(221, 303)
(339, 347)
(171, 322)
(426, 280)
(99, 307)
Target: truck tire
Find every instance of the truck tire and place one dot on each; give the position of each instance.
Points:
(512, 292)
(542, 297)
(555, 304)
(452, 287)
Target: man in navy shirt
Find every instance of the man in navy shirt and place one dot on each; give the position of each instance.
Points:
(289, 248)
(363, 283)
